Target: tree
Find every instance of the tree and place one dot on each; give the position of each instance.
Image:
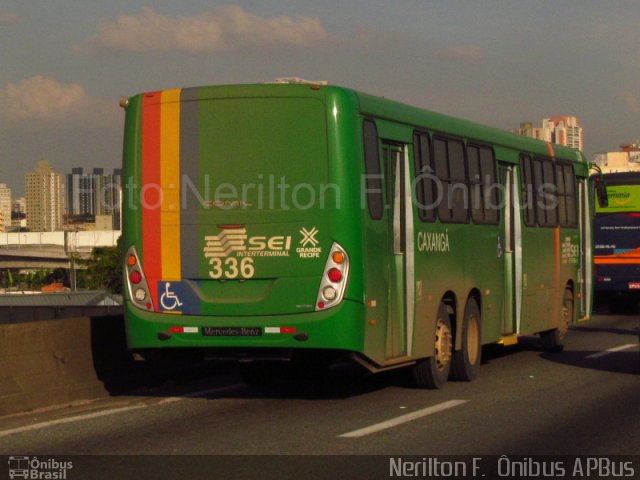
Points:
(104, 268)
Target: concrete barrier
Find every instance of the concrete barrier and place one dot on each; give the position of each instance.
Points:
(60, 361)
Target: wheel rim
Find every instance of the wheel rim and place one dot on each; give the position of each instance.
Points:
(563, 328)
(473, 334)
(443, 345)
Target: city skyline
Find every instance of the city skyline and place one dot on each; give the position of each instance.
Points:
(65, 67)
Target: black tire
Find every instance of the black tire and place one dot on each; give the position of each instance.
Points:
(433, 372)
(466, 361)
(553, 340)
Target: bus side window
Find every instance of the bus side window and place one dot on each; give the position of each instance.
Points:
(538, 199)
(442, 172)
(475, 184)
(551, 192)
(570, 191)
(424, 181)
(453, 190)
(458, 193)
(490, 198)
(528, 197)
(562, 197)
(373, 176)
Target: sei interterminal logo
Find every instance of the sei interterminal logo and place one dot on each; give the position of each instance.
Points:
(38, 469)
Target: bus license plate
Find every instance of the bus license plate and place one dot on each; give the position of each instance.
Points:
(232, 331)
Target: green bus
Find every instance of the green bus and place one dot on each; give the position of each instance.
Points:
(297, 222)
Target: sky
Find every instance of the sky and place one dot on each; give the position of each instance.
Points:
(65, 63)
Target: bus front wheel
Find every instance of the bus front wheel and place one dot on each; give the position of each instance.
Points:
(466, 361)
(433, 372)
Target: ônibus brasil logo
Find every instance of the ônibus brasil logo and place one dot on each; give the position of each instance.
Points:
(32, 467)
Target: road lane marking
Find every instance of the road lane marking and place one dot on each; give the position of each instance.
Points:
(403, 419)
(613, 350)
(113, 411)
(60, 421)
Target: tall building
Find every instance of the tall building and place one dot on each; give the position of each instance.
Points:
(561, 130)
(5, 207)
(19, 205)
(95, 193)
(113, 197)
(19, 214)
(45, 198)
(80, 193)
(528, 130)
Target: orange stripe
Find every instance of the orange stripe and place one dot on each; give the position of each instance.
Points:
(550, 150)
(151, 192)
(616, 261)
(632, 257)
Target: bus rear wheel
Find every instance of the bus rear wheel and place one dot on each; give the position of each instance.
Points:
(466, 361)
(553, 340)
(433, 372)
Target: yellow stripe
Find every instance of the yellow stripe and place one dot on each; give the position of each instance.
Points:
(170, 183)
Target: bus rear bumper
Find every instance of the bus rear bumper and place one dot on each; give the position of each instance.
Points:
(339, 328)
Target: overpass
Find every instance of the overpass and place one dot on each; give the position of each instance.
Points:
(41, 257)
(51, 250)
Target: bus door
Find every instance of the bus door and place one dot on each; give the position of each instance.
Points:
(512, 249)
(586, 252)
(401, 287)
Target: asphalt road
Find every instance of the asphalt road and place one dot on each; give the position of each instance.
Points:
(584, 400)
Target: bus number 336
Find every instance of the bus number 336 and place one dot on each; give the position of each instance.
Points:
(231, 268)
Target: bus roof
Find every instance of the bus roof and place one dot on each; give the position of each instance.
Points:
(385, 108)
(455, 126)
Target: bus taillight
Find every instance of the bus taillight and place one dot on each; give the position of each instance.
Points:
(136, 282)
(334, 278)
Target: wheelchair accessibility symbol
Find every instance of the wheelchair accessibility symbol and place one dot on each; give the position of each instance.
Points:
(169, 299)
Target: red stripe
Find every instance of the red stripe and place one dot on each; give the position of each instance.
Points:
(150, 192)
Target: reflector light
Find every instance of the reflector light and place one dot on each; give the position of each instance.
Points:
(176, 329)
(335, 275)
(320, 305)
(287, 329)
(135, 277)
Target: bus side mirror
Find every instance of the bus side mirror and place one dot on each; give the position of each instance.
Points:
(601, 191)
